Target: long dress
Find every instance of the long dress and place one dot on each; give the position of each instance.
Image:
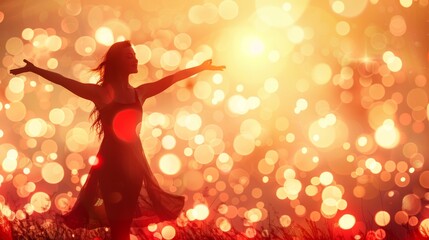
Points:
(121, 185)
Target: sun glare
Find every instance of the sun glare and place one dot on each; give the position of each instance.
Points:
(253, 45)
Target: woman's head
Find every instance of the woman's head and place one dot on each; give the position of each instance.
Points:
(119, 59)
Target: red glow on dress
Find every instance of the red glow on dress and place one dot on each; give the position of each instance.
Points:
(122, 122)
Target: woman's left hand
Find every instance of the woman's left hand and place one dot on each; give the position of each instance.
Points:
(207, 65)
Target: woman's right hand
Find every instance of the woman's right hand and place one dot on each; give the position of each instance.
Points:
(27, 68)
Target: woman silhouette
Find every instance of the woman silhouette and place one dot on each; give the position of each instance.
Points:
(121, 187)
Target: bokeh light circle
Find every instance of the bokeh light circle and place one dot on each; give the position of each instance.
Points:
(170, 164)
(347, 221)
(53, 172)
(41, 202)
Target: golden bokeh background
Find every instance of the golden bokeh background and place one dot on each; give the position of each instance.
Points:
(321, 113)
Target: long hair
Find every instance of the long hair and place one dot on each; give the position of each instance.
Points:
(106, 70)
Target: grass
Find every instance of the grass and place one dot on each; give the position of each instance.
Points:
(47, 228)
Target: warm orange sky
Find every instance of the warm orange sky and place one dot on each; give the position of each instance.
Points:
(321, 112)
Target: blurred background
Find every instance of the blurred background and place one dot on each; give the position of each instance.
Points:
(321, 113)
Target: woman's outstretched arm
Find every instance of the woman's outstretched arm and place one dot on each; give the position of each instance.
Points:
(151, 89)
(91, 92)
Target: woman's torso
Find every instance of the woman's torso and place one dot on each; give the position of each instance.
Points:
(121, 121)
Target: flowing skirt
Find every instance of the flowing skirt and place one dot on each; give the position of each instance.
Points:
(121, 187)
